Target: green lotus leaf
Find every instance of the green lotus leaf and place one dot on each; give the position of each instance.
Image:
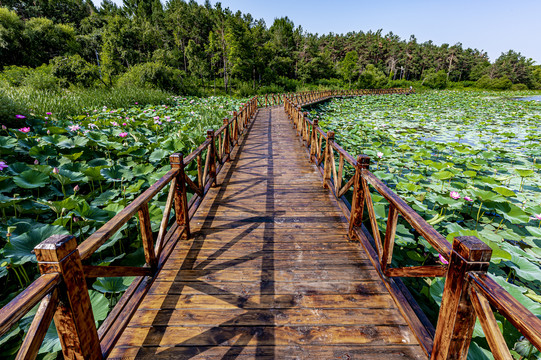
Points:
(158, 154)
(66, 177)
(31, 179)
(112, 285)
(74, 156)
(20, 247)
(469, 173)
(69, 143)
(443, 175)
(116, 173)
(524, 172)
(504, 191)
(7, 142)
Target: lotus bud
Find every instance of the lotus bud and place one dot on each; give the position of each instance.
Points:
(55, 170)
(36, 162)
(76, 188)
(4, 127)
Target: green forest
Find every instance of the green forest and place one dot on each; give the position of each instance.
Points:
(188, 48)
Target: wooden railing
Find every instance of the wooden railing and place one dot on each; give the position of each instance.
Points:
(61, 290)
(469, 292)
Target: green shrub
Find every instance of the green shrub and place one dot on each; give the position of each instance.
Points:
(41, 78)
(518, 87)
(502, 83)
(8, 109)
(372, 78)
(435, 80)
(14, 75)
(153, 75)
(75, 70)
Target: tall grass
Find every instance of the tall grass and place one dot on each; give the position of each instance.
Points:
(71, 102)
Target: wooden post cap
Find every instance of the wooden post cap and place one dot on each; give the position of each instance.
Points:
(472, 249)
(210, 133)
(330, 135)
(316, 122)
(363, 161)
(226, 120)
(176, 160)
(55, 248)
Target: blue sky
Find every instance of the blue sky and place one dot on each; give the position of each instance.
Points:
(493, 26)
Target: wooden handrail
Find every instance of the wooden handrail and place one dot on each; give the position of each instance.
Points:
(26, 300)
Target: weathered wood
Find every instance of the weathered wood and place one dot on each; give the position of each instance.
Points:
(372, 217)
(457, 317)
(94, 241)
(165, 217)
(181, 200)
(388, 244)
(358, 200)
(26, 300)
(426, 230)
(147, 238)
(92, 271)
(38, 328)
(494, 337)
(73, 318)
(523, 319)
(417, 271)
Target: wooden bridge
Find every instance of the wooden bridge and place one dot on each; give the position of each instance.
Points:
(268, 260)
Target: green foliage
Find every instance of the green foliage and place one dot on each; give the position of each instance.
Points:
(502, 83)
(153, 75)
(42, 78)
(435, 80)
(348, 66)
(75, 70)
(372, 78)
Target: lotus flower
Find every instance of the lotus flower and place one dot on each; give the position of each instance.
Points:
(4, 127)
(55, 170)
(123, 134)
(454, 195)
(48, 113)
(36, 162)
(74, 127)
(467, 198)
(442, 260)
(124, 124)
(3, 165)
(20, 116)
(379, 154)
(114, 123)
(24, 129)
(76, 188)
(536, 217)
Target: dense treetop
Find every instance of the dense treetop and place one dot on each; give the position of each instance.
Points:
(81, 44)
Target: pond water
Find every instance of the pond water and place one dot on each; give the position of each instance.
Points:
(530, 98)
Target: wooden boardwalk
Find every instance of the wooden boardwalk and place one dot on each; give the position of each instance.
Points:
(269, 272)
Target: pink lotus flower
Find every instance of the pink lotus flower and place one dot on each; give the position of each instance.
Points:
(4, 127)
(156, 118)
(36, 162)
(467, 198)
(20, 116)
(136, 103)
(48, 113)
(536, 217)
(114, 123)
(454, 195)
(74, 127)
(3, 165)
(442, 260)
(76, 188)
(124, 124)
(24, 129)
(379, 154)
(123, 134)
(55, 170)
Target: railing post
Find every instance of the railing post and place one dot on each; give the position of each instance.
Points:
(181, 201)
(227, 140)
(327, 161)
(357, 201)
(456, 319)
(235, 127)
(73, 318)
(212, 154)
(313, 141)
(147, 237)
(305, 127)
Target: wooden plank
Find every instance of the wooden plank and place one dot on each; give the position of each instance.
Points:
(38, 328)
(92, 271)
(240, 351)
(282, 335)
(494, 337)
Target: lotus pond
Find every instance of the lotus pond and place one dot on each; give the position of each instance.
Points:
(469, 163)
(62, 176)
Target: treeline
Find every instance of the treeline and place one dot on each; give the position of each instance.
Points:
(186, 47)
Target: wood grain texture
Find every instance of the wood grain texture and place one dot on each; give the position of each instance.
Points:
(269, 266)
